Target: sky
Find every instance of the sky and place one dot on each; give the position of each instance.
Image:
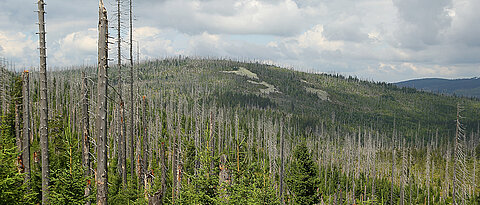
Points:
(379, 40)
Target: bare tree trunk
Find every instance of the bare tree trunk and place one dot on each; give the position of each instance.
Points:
(145, 145)
(174, 168)
(282, 141)
(132, 147)
(163, 168)
(393, 161)
(212, 144)
(43, 103)
(101, 124)
(404, 174)
(122, 145)
(18, 137)
(26, 128)
(86, 137)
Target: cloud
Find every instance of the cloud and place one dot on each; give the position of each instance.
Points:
(18, 47)
(281, 18)
(409, 38)
(76, 48)
(157, 43)
(422, 23)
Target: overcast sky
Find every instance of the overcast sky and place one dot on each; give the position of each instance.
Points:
(381, 40)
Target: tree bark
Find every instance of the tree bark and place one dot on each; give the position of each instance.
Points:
(132, 147)
(86, 137)
(145, 145)
(18, 137)
(101, 121)
(43, 103)
(122, 145)
(26, 128)
(282, 141)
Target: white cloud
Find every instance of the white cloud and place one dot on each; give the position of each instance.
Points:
(17, 46)
(156, 43)
(410, 38)
(76, 48)
(281, 18)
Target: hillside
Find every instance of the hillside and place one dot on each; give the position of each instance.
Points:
(315, 99)
(206, 131)
(461, 87)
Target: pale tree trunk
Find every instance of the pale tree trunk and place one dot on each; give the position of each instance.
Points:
(122, 145)
(145, 145)
(174, 168)
(459, 166)
(282, 142)
(86, 137)
(132, 146)
(393, 163)
(212, 143)
(26, 128)
(43, 103)
(18, 137)
(101, 121)
(163, 168)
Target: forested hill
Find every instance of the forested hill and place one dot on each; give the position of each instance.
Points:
(204, 131)
(469, 87)
(314, 99)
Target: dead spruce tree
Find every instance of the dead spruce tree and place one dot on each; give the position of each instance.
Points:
(122, 141)
(86, 136)
(101, 121)
(132, 147)
(43, 102)
(282, 143)
(459, 167)
(26, 128)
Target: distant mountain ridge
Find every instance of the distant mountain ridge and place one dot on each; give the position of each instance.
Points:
(468, 87)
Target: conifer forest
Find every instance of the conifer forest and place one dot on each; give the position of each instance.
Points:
(198, 130)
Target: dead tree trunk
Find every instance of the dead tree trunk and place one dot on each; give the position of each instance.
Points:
(43, 102)
(26, 128)
(86, 136)
(393, 162)
(145, 145)
(122, 145)
(163, 168)
(174, 167)
(18, 137)
(132, 147)
(212, 143)
(101, 121)
(459, 168)
(282, 141)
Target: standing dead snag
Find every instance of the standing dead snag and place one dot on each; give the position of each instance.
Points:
(145, 146)
(459, 192)
(122, 142)
(86, 136)
(43, 102)
(282, 141)
(26, 128)
(101, 121)
(131, 98)
(18, 137)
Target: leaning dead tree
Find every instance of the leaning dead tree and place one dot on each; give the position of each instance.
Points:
(101, 121)
(43, 102)
(26, 128)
